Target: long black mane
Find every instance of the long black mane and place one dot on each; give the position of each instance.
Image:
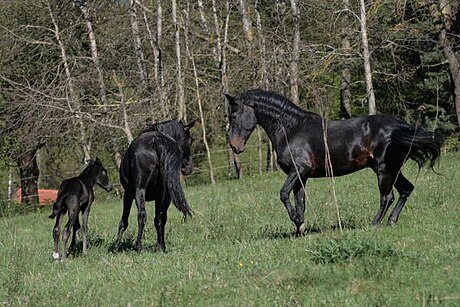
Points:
(171, 128)
(276, 109)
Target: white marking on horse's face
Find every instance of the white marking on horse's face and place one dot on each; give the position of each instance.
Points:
(56, 256)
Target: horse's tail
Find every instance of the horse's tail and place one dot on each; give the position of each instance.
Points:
(170, 158)
(418, 144)
(56, 207)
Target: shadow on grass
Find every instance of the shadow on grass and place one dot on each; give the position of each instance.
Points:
(128, 244)
(268, 232)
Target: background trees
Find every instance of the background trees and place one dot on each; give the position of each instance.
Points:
(77, 76)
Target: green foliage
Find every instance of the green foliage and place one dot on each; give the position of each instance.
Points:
(348, 248)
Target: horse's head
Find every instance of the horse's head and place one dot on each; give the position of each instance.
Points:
(100, 174)
(185, 145)
(242, 121)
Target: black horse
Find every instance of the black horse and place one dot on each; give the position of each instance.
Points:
(76, 195)
(310, 146)
(150, 170)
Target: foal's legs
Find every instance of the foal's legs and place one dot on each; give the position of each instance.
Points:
(73, 215)
(386, 179)
(84, 229)
(141, 216)
(56, 234)
(75, 228)
(123, 225)
(161, 216)
(405, 188)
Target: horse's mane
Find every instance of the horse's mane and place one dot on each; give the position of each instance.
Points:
(274, 104)
(169, 127)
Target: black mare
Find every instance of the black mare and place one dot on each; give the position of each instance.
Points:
(379, 142)
(76, 195)
(150, 170)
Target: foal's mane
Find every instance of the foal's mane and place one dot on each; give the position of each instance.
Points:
(273, 104)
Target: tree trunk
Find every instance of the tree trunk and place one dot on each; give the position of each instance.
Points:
(73, 101)
(182, 112)
(444, 13)
(295, 54)
(345, 80)
(29, 172)
(367, 61)
(140, 58)
(155, 41)
(198, 99)
(94, 52)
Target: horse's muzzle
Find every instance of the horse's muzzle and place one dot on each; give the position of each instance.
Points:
(109, 187)
(237, 145)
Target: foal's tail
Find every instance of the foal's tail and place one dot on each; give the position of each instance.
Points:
(170, 158)
(56, 207)
(418, 144)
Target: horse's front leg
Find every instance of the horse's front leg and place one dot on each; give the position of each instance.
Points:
(141, 216)
(161, 216)
(84, 228)
(299, 193)
(293, 180)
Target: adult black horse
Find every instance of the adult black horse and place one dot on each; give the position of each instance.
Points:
(150, 170)
(310, 146)
(76, 195)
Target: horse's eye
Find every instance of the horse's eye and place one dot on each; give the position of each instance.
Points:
(234, 116)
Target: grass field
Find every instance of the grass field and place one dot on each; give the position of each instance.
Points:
(238, 250)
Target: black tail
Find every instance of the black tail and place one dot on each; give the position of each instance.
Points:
(418, 144)
(170, 166)
(56, 207)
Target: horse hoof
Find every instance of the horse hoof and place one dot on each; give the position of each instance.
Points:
(301, 229)
(391, 222)
(55, 256)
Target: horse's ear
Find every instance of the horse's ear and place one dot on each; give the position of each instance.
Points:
(98, 161)
(231, 100)
(190, 125)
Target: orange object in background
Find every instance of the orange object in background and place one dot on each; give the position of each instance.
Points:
(45, 196)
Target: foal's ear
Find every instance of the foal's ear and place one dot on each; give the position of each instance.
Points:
(98, 161)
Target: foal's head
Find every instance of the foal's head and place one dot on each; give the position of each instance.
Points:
(242, 120)
(96, 170)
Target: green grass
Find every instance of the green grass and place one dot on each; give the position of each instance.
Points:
(238, 250)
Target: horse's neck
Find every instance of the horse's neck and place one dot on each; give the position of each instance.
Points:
(275, 125)
(279, 127)
(87, 179)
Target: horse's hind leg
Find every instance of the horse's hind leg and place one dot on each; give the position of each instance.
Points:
(56, 234)
(405, 188)
(141, 216)
(161, 216)
(123, 225)
(386, 180)
(73, 215)
(75, 228)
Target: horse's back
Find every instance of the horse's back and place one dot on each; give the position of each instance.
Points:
(139, 166)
